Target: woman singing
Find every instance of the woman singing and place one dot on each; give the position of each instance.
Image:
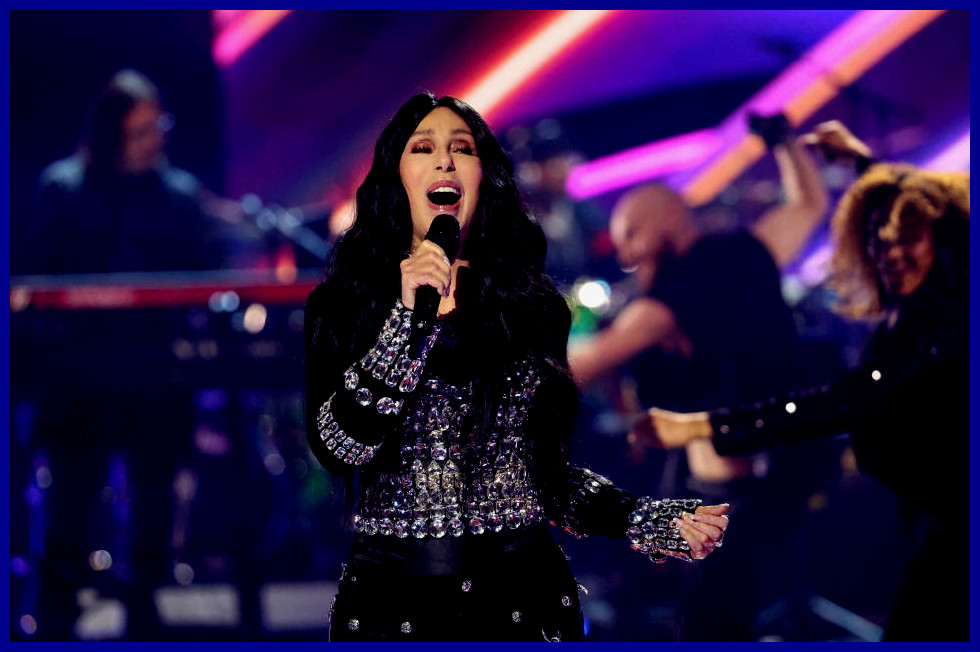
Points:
(453, 445)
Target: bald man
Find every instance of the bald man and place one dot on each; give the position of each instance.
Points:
(711, 323)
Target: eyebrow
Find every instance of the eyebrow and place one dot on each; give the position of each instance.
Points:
(454, 132)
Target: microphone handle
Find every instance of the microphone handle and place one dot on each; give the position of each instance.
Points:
(444, 232)
(427, 300)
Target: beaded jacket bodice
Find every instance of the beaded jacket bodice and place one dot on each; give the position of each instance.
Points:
(443, 489)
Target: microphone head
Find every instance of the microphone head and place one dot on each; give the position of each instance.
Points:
(444, 231)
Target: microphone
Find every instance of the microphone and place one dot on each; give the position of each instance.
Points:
(444, 231)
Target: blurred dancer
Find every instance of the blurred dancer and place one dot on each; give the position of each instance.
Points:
(901, 259)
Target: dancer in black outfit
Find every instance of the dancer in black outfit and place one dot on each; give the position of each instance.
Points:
(458, 448)
(902, 257)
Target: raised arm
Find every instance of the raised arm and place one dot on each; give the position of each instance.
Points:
(351, 411)
(785, 228)
(645, 322)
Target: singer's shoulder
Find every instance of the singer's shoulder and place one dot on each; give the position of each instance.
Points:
(318, 297)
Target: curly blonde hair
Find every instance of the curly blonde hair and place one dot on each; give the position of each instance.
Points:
(885, 199)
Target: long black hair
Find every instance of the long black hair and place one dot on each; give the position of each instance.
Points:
(508, 302)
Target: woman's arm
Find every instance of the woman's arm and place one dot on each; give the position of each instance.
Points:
(645, 322)
(682, 528)
(350, 411)
(785, 228)
(585, 503)
(825, 410)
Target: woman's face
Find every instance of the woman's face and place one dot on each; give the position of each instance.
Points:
(903, 259)
(441, 172)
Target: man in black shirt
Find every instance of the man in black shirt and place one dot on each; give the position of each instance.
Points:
(710, 323)
(711, 315)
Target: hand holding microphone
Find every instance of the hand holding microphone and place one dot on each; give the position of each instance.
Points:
(426, 274)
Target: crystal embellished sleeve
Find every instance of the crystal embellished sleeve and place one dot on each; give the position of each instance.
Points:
(597, 506)
(353, 420)
(584, 503)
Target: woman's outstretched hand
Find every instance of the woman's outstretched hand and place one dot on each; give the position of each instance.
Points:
(427, 265)
(703, 530)
(666, 429)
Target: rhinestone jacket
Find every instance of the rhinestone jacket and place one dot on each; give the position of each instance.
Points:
(441, 488)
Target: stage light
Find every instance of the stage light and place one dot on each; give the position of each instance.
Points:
(593, 294)
(100, 560)
(799, 91)
(813, 269)
(208, 349)
(224, 17)
(28, 624)
(513, 70)
(808, 84)
(953, 157)
(241, 30)
(541, 48)
(255, 316)
(183, 573)
(19, 566)
(274, 464)
(224, 301)
(641, 163)
(341, 218)
(42, 476)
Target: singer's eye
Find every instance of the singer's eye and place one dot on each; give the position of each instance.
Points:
(421, 148)
(465, 148)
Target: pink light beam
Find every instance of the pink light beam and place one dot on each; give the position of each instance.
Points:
(242, 30)
(954, 157)
(555, 37)
(642, 163)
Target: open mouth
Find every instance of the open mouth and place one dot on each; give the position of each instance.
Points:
(444, 194)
